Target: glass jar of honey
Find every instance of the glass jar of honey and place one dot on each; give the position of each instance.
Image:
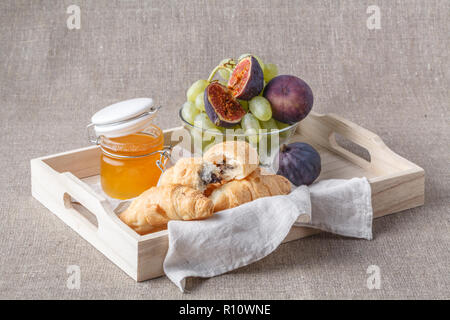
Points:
(133, 153)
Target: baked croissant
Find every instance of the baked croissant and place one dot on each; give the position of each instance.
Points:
(221, 163)
(154, 208)
(256, 185)
(191, 172)
(235, 159)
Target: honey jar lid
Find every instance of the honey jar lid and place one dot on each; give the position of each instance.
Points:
(124, 118)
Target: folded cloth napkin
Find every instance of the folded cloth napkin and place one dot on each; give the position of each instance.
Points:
(342, 207)
(239, 236)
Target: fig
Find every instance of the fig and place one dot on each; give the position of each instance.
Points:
(291, 98)
(299, 162)
(247, 79)
(221, 107)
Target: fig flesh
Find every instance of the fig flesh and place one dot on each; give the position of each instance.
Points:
(291, 98)
(247, 79)
(299, 162)
(221, 107)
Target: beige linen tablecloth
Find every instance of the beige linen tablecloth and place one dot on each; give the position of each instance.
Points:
(394, 81)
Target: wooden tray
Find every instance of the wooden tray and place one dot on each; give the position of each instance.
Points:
(397, 184)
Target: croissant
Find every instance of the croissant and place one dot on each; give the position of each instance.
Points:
(256, 185)
(188, 172)
(221, 163)
(154, 208)
(235, 159)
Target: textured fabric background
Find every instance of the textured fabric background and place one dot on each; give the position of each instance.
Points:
(394, 81)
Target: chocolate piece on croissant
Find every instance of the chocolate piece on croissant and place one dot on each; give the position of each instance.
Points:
(154, 208)
(256, 185)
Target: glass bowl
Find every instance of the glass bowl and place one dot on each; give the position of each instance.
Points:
(266, 142)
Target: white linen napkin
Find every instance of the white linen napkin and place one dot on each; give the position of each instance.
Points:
(343, 207)
(239, 236)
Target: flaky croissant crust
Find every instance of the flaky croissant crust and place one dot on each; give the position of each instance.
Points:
(185, 172)
(154, 208)
(256, 185)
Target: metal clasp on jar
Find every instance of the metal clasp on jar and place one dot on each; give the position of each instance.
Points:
(165, 155)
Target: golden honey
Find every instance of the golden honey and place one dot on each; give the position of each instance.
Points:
(128, 164)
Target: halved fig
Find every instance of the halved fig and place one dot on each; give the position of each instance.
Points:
(221, 107)
(247, 79)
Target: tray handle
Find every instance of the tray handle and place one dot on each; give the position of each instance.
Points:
(83, 194)
(354, 132)
(107, 220)
(325, 126)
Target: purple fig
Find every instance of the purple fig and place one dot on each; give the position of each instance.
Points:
(247, 79)
(290, 97)
(299, 162)
(221, 107)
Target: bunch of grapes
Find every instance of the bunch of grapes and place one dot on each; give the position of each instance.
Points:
(257, 118)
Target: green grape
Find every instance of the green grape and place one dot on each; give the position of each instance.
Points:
(281, 126)
(197, 87)
(244, 104)
(189, 112)
(266, 139)
(206, 145)
(270, 71)
(252, 136)
(264, 142)
(200, 102)
(260, 108)
(204, 129)
(211, 134)
(250, 122)
(269, 124)
(202, 121)
(251, 127)
(225, 74)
